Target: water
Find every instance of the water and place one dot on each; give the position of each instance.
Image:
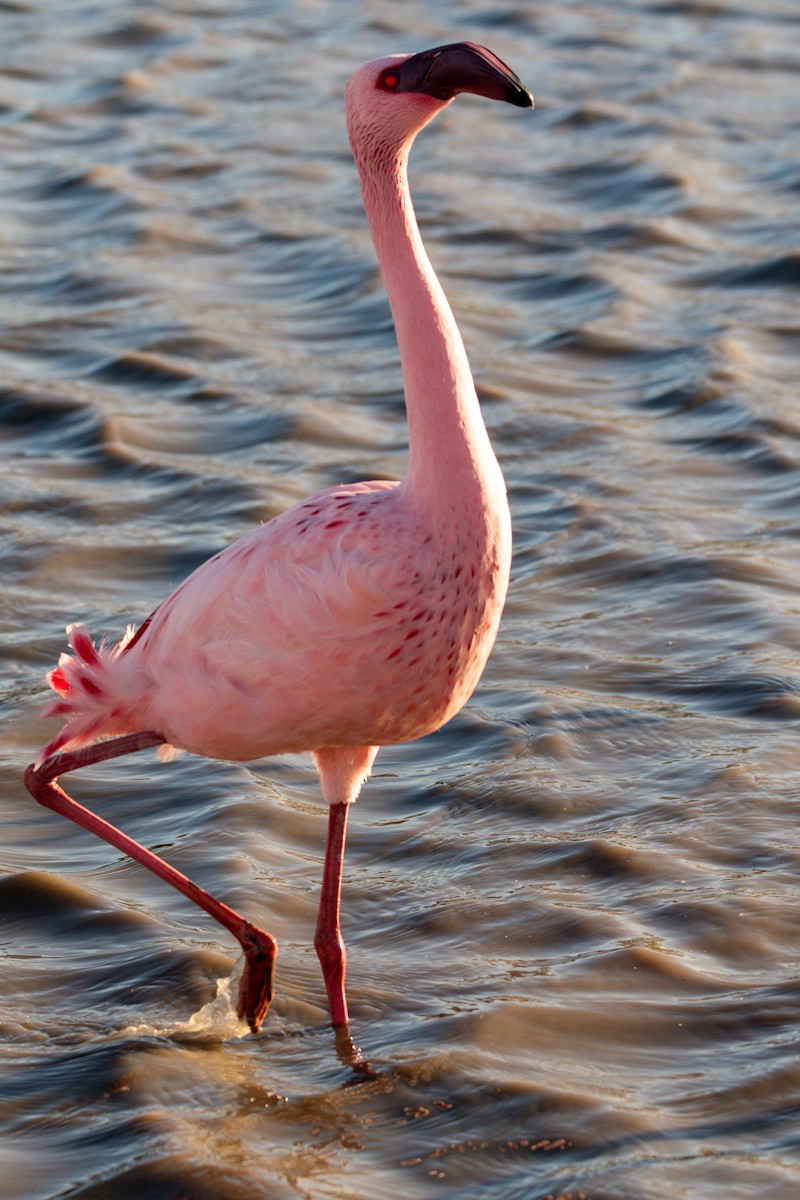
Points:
(572, 915)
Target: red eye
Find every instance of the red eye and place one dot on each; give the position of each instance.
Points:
(390, 80)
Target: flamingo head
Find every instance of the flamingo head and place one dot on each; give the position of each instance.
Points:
(389, 100)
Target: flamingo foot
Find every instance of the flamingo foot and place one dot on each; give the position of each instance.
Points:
(350, 1055)
(256, 986)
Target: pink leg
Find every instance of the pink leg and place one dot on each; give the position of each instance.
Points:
(328, 940)
(260, 948)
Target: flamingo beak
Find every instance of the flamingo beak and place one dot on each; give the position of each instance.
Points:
(460, 67)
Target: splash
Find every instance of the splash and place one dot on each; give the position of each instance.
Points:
(217, 1020)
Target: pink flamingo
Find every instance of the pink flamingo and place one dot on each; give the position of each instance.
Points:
(359, 617)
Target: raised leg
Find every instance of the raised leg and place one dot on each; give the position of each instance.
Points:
(328, 941)
(260, 948)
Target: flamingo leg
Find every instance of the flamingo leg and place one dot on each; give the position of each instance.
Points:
(328, 941)
(260, 948)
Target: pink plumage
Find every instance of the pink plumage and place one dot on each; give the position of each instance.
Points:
(363, 615)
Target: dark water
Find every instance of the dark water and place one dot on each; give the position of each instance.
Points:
(573, 914)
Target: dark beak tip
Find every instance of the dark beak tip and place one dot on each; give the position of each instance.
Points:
(446, 71)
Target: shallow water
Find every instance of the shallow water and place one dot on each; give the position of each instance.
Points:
(572, 915)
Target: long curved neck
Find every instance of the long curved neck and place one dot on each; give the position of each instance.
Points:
(449, 448)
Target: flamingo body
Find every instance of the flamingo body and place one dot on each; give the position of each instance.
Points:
(353, 619)
(361, 616)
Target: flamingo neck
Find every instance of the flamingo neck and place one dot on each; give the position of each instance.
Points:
(449, 448)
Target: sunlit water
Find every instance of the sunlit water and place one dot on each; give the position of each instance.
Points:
(572, 915)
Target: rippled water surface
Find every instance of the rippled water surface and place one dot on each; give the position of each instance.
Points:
(572, 915)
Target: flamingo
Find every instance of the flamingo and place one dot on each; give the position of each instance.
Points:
(360, 617)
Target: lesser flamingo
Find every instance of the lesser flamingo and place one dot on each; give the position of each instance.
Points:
(359, 617)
